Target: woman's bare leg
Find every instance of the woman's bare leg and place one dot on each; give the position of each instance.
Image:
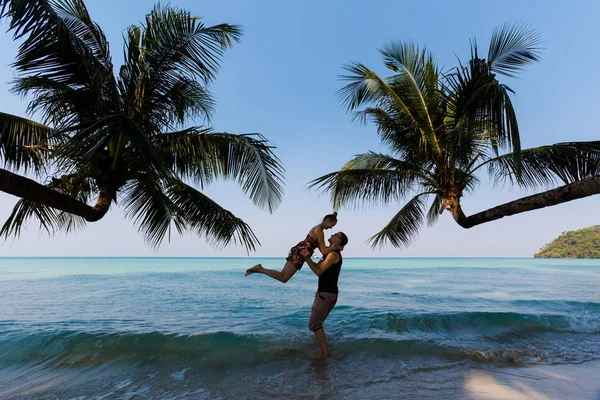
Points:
(286, 273)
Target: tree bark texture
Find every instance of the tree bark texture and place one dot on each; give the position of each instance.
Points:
(29, 189)
(577, 190)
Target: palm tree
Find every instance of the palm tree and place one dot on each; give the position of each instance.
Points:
(442, 129)
(124, 136)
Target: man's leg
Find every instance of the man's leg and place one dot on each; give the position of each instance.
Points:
(322, 306)
(322, 340)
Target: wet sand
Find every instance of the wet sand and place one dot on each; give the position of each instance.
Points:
(459, 381)
(565, 381)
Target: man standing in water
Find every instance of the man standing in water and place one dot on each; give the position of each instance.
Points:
(328, 271)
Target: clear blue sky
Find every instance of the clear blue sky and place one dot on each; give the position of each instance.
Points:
(281, 81)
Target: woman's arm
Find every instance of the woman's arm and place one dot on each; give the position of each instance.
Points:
(322, 247)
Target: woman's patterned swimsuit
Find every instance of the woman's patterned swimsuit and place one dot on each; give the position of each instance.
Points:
(295, 255)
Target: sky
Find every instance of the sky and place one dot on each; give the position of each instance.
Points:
(281, 81)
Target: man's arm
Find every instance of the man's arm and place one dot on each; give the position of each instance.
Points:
(323, 265)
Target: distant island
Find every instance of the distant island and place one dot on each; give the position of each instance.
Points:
(583, 243)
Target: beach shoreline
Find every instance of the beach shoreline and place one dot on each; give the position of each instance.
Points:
(486, 382)
(559, 381)
(474, 382)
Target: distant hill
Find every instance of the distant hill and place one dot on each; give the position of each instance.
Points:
(583, 243)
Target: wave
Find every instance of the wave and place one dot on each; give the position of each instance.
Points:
(486, 323)
(475, 336)
(224, 350)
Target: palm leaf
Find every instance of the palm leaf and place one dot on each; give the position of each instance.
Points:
(69, 223)
(546, 165)
(160, 98)
(395, 94)
(151, 159)
(151, 210)
(25, 210)
(23, 143)
(156, 206)
(208, 219)
(366, 87)
(91, 141)
(174, 40)
(61, 43)
(369, 178)
(168, 62)
(188, 99)
(416, 79)
(60, 104)
(200, 155)
(434, 211)
(404, 226)
(512, 47)
(87, 142)
(480, 113)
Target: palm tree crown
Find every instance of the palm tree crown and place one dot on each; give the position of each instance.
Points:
(124, 136)
(441, 128)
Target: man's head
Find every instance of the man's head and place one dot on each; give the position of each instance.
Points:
(338, 238)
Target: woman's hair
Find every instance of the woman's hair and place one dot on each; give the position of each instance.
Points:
(331, 216)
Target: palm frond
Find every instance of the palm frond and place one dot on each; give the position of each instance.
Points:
(69, 223)
(249, 159)
(169, 60)
(373, 160)
(61, 43)
(87, 142)
(512, 47)
(160, 98)
(369, 178)
(157, 206)
(58, 103)
(174, 40)
(187, 154)
(25, 210)
(396, 95)
(366, 87)
(480, 113)
(404, 226)
(151, 210)
(434, 211)
(416, 79)
(23, 143)
(91, 141)
(546, 165)
(188, 99)
(210, 220)
(402, 139)
(151, 159)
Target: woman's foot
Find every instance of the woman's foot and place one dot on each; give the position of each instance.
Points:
(254, 269)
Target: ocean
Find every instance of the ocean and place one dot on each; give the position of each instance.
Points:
(196, 328)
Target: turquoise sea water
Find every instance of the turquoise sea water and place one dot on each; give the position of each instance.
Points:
(103, 328)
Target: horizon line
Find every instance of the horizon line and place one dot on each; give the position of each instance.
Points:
(249, 257)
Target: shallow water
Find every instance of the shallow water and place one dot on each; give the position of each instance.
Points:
(196, 328)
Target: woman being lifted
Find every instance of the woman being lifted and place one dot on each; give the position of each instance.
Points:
(294, 261)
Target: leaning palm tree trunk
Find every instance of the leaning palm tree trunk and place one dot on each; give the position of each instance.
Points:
(577, 190)
(31, 190)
